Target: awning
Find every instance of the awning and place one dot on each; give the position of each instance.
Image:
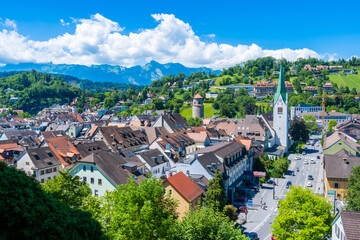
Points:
(255, 174)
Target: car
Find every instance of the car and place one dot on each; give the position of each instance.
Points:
(310, 177)
(317, 157)
(303, 153)
(252, 236)
(288, 184)
(306, 162)
(309, 184)
(270, 181)
(312, 161)
(297, 158)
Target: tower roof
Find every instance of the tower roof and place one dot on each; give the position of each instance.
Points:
(198, 96)
(281, 88)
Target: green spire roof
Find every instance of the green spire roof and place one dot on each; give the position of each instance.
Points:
(281, 87)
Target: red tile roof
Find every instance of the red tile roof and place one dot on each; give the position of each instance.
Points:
(198, 96)
(187, 188)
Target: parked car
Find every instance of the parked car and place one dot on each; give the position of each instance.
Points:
(288, 184)
(252, 236)
(318, 157)
(303, 153)
(312, 161)
(309, 184)
(306, 162)
(310, 177)
(298, 158)
(270, 181)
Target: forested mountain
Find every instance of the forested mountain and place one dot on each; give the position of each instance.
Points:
(140, 75)
(32, 91)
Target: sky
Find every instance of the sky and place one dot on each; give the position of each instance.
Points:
(216, 34)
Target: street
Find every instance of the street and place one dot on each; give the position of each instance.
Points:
(260, 220)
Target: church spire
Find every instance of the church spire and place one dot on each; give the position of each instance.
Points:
(281, 87)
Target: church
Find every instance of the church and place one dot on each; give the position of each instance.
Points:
(281, 113)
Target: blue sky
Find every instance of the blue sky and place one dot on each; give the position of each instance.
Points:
(325, 27)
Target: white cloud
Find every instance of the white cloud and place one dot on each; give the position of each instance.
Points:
(212, 35)
(99, 40)
(7, 23)
(64, 23)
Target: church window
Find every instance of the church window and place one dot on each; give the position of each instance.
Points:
(280, 110)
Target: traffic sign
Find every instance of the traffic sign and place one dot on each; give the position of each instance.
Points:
(331, 192)
(250, 203)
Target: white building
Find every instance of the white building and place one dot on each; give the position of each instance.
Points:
(304, 108)
(40, 163)
(345, 226)
(280, 114)
(155, 161)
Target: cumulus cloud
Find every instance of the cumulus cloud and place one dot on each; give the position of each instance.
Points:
(99, 40)
(7, 23)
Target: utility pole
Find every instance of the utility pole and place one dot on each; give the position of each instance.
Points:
(274, 189)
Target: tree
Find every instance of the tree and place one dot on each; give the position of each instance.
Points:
(298, 130)
(215, 196)
(332, 123)
(255, 71)
(230, 212)
(28, 212)
(206, 223)
(303, 215)
(109, 102)
(310, 122)
(68, 189)
(157, 104)
(194, 122)
(352, 194)
(138, 211)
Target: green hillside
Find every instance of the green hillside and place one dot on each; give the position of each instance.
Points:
(352, 81)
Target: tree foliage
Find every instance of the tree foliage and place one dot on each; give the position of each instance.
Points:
(310, 122)
(230, 212)
(332, 123)
(303, 215)
(194, 122)
(28, 212)
(206, 223)
(68, 189)
(138, 211)
(352, 195)
(298, 130)
(216, 195)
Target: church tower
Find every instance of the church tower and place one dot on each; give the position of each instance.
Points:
(281, 113)
(197, 106)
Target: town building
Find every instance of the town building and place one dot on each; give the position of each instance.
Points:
(187, 193)
(212, 95)
(328, 87)
(40, 163)
(172, 122)
(345, 226)
(310, 89)
(264, 88)
(333, 115)
(337, 169)
(303, 108)
(105, 170)
(198, 106)
(351, 128)
(155, 162)
(338, 141)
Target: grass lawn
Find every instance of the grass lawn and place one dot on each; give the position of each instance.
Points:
(209, 111)
(352, 81)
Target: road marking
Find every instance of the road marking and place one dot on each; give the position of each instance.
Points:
(264, 221)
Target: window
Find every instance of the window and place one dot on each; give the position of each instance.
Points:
(42, 180)
(92, 180)
(170, 192)
(96, 193)
(49, 178)
(73, 159)
(36, 157)
(50, 154)
(336, 185)
(280, 110)
(99, 181)
(55, 169)
(84, 179)
(68, 146)
(42, 172)
(84, 168)
(92, 169)
(27, 163)
(56, 148)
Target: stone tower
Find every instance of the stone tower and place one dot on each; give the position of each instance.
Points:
(281, 113)
(198, 107)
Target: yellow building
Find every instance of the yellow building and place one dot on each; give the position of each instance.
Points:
(337, 170)
(186, 192)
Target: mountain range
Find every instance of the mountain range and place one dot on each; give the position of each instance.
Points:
(139, 75)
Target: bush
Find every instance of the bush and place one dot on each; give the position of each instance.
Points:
(230, 212)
